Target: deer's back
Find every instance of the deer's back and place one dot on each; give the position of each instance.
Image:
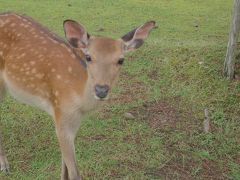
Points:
(37, 63)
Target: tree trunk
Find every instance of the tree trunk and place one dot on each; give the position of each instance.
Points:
(229, 63)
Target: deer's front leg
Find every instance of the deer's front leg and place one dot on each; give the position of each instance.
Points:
(66, 128)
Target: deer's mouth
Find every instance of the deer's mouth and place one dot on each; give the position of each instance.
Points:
(101, 99)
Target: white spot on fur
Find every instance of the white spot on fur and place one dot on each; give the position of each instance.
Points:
(32, 85)
(55, 42)
(40, 55)
(14, 66)
(7, 21)
(13, 25)
(70, 69)
(32, 30)
(21, 56)
(69, 50)
(39, 76)
(1, 23)
(55, 101)
(34, 70)
(56, 93)
(32, 62)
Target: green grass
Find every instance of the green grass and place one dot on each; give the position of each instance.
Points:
(180, 67)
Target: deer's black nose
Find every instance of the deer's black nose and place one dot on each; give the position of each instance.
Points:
(101, 90)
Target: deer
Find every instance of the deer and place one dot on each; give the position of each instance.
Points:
(64, 78)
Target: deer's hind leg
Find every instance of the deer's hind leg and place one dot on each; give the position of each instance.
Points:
(4, 165)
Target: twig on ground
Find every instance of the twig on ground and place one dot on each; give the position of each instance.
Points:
(206, 122)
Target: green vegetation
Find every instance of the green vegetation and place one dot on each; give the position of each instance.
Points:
(166, 85)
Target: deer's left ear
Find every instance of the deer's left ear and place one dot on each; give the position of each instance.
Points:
(76, 34)
(136, 37)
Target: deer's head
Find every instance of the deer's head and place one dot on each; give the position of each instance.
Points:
(104, 56)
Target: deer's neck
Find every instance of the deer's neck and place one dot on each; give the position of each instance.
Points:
(88, 101)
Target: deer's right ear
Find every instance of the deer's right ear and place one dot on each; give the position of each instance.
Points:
(76, 34)
(136, 37)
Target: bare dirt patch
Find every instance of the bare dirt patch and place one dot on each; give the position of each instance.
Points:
(162, 114)
(132, 89)
(158, 114)
(154, 74)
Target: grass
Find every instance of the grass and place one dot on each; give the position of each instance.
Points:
(166, 85)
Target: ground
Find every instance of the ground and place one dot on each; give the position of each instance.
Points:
(166, 85)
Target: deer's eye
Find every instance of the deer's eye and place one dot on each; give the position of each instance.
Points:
(88, 58)
(120, 61)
